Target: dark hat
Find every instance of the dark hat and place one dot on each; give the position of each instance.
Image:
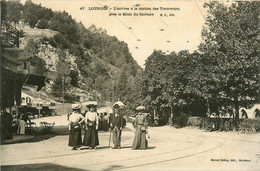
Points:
(116, 106)
(119, 105)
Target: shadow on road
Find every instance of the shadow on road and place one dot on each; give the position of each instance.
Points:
(38, 138)
(98, 148)
(27, 138)
(149, 148)
(40, 166)
(126, 147)
(112, 167)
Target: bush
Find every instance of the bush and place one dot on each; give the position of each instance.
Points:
(225, 124)
(43, 24)
(180, 121)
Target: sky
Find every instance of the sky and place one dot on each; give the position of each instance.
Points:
(143, 34)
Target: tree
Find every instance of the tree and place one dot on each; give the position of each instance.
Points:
(30, 13)
(62, 82)
(43, 24)
(155, 83)
(63, 22)
(31, 51)
(230, 45)
(40, 65)
(97, 55)
(32, 48)
(3, 10)
(171, 85)
(74, 78)
(14, 11)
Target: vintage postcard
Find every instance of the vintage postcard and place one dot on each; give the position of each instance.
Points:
(130, 85)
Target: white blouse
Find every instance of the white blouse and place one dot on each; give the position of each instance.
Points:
(75, 117)
(92, 116)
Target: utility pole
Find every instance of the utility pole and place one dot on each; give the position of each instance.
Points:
(39, 107)
(63, 87)
(113, 90)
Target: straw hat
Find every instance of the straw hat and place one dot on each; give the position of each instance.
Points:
(91, 104)
(140, 108)
(76, 106)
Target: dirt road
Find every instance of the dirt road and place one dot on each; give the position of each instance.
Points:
(169, 149)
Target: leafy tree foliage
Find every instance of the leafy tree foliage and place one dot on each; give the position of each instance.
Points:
(33, 13)
(220, 78)
(30, 13)
(63, 80)
(32, 47)
(31, 52)
(231, 46)
(14, 11)
(3, 10)
(168, 85)
(40, 65)
(74, 76)
(43, 24)
(100, 58)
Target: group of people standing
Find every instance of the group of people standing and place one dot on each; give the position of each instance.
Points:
(91, 120)
(8, 123)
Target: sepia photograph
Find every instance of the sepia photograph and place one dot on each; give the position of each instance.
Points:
(130, 85)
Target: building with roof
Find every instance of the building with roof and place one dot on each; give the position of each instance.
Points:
(251, 113)
(15, 68)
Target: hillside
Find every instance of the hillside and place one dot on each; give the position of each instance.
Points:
(89, 63)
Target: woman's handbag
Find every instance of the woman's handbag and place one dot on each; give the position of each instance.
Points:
(147, 136)
(143, 128)
(91, 123)
(76, 127)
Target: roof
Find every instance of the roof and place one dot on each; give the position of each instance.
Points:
(31, 91)
(250, 111)
(10, 59)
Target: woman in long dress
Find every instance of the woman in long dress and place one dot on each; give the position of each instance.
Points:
(140, 125)
(22, 122)
(75, 120)
(91, 128)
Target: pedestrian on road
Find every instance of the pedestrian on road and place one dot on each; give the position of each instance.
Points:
(23, 119)
(105, 122)
(75, 120)
(91, 127)
(140, 125)
(6, 125)
(116, 126)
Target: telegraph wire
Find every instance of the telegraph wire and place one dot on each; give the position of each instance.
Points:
(128, 28)
(199, 10)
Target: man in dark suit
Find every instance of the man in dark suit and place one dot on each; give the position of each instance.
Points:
(116, 126)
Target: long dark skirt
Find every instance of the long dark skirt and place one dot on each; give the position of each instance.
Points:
(140, 141)
(91, 137)
(75, 139)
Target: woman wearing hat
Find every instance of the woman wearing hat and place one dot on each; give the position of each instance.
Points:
(91, 128)
(75, 119)
(140, 125)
